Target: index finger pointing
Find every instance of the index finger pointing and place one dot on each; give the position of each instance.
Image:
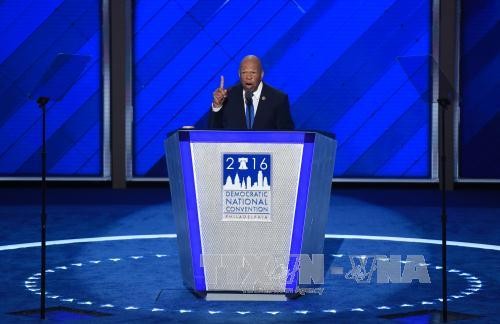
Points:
(221, 82)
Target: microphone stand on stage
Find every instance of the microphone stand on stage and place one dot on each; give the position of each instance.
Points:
(443, 104)
(42, 103)
(59, 77)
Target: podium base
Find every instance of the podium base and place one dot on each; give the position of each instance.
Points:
(244, 297)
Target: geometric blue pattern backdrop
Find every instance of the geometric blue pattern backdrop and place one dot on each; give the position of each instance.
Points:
(32, 33)
(480, 90)
(353, 68)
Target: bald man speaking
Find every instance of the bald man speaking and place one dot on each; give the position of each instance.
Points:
(252, 104)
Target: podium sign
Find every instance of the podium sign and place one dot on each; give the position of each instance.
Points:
(247, 205)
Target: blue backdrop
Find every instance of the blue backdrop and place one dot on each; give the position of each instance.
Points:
(480, 90)
(32, 33)
(354, 68)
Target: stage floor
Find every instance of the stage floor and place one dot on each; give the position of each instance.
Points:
(115, 252)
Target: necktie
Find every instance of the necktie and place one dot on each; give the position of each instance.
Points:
(249, 109)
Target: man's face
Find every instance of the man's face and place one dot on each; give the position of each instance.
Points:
(250, 74)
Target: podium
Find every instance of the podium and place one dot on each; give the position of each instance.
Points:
(250, 209)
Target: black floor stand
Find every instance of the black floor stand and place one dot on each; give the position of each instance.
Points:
(42, 103)
(59, 77)
(436, 316)
(444, 104)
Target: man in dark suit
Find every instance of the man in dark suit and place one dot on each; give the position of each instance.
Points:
(251, 104)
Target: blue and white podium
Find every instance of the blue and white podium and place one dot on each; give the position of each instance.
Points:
(248, 205)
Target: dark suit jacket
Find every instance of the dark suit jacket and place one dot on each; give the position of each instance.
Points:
(273, 111)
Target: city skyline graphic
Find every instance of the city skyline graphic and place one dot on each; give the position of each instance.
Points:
(262, 183)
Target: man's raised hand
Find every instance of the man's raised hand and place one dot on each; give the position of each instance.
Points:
(219, 94)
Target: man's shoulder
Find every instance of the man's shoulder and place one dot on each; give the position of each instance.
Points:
(234, 92)
(270, 90)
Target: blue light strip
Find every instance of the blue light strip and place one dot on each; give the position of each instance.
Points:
(192, 211)
(300, 211)
(247, 137)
